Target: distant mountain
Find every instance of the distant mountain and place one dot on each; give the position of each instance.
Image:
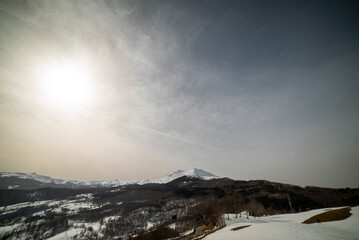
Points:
(10, 180)
(192, 173)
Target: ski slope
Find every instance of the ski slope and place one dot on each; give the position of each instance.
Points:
(289, 226)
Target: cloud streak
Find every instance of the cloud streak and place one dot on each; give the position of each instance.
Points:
(247, 89)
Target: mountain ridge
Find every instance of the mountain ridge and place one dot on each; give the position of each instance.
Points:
(15, 180)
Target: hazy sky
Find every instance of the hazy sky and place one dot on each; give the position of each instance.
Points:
(243, 89)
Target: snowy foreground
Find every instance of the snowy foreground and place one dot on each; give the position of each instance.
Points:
(289, 226)
(285, 226)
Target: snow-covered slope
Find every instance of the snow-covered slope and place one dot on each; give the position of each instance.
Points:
(46, 181)
(194, 173)
(37, 177)
(289, 226)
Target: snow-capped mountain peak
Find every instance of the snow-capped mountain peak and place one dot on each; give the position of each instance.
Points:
(195, 172)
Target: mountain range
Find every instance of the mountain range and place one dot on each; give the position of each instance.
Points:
(11, 180)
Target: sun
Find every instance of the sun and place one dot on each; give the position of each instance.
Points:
(66, 85)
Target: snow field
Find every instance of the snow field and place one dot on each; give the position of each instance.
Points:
(289, 226)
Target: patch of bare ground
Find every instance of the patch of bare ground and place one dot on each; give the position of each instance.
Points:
(240, 227)
(332, 215)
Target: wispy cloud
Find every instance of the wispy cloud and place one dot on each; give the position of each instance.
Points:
(204, 83)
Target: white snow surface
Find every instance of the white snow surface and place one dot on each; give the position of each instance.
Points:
(195, 173)
(289, 226)
(72, 232)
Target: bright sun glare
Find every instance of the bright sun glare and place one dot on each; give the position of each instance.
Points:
(66, 85)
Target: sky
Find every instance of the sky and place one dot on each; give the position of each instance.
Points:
(243, 89)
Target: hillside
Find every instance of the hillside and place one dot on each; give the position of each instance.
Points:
(168, 209)
(289, 226)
